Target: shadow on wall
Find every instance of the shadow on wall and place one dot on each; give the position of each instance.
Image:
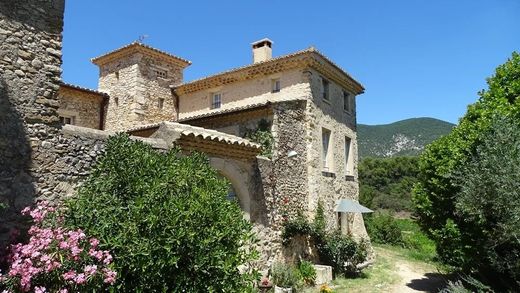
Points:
(16, 188)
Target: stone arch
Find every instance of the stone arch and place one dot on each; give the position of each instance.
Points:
(238, 175)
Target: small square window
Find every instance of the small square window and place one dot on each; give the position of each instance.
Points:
(325, 89)
(67, 120)
(160, 103)
(275, 85)
(216, 100)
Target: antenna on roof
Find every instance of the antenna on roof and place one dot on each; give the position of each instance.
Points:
(141, 38)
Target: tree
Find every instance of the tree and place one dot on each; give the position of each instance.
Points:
(166, 218)
(436, 194)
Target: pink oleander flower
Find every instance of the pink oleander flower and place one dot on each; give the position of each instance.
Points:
(110, 276)
(50, 249)
(70, 275)
(90, 270)
(80, 279)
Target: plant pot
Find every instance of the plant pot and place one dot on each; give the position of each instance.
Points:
(282, 290)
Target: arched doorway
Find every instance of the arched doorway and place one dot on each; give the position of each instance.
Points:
(238, 178)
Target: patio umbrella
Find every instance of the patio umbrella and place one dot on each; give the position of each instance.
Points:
(349, 207)
(346, 205)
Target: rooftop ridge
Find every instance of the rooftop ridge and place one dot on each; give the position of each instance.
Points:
(136, 45)
(84, 89)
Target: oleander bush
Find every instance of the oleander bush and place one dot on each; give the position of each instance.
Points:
(167, 220)
(56, 259)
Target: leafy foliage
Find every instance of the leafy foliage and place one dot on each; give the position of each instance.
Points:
(383, 228)
(402, 138)
(334, 248)
(166, 218)
(307, 272)
(387, 183)
(466, 194)
(286, 276)
(262, 135)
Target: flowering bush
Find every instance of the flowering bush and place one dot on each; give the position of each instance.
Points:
(56, 259)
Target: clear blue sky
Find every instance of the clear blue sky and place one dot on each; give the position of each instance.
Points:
(416, 58)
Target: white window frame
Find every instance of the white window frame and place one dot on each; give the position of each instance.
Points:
(71, 119)
(348, 156)
(326, 136)
(216, 100)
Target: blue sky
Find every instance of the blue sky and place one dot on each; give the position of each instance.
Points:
(416, 58)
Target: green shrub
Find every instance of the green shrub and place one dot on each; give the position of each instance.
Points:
(307, 272)
(383, 228)
(298, 226)
(166, 218)
(342, 253)
(287, 276)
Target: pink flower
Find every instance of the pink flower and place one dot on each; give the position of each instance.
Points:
(110, 276)
(94, 242)
(70, 275)
(90, 270)
(40, 290)
(80, 279)
(64, 290)
(26, 211)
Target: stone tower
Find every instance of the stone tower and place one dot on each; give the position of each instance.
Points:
(138, 79)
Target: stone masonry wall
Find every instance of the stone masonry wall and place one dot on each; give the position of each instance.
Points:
(30, 60)
(331, 116)
(85, 108)
(135, 91)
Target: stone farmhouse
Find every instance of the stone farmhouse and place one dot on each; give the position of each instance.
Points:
(54, 131)
(303, 99)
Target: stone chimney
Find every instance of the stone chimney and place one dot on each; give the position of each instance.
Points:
(262, 50)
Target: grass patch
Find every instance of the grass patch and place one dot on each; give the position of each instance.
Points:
(379, 277)
(415, 243)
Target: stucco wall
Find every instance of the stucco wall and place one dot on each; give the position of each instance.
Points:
(243, 93)
(135, 90)
(85, 108)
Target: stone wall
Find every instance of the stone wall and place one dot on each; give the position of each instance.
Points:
(135, 91)
(341, 181)
(30, 60)
(84, 107)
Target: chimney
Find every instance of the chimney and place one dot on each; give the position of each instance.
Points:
(262, 50)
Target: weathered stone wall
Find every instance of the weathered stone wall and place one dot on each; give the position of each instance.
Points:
(244, 93)
(84, 107)
(135, 91)
(343, 182)
(30, 60)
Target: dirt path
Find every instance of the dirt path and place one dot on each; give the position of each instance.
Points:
(413, 276)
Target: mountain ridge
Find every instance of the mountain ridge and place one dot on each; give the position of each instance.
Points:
(406, 137)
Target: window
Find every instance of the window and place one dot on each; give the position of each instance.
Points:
(325, 89)
(348, 163)
(347, 102)
(275, 85)
(216, 100)
(325, 155)
(161, 103)
(161, 73)
(117, 75)
(68, 120)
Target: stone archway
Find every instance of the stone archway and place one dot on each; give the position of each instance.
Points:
(238, 175)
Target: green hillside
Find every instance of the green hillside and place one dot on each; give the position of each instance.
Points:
(402, 138)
